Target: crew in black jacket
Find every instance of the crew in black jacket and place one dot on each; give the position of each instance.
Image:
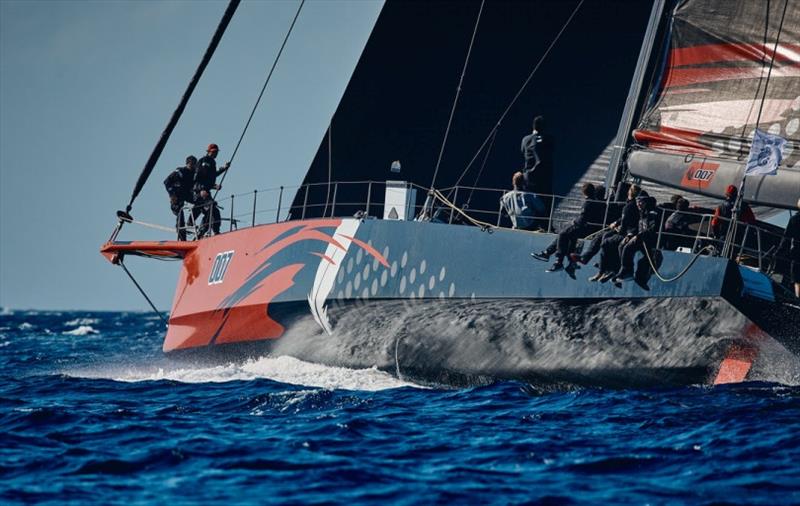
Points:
(645, 237)
(206, 180)
(791, 238)
(179, 186)
(591, 213)
(626, 227)
(537, 151)
(590, 216)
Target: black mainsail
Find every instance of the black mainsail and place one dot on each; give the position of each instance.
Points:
(397, 102)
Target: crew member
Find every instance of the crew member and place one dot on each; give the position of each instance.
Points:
(677, 225)
(792, 236)
(537, 151)
(623, 229)
(206, 180)
(723, 214)
(591, 212)
(179, 187)
(612, 212)
(644, 239)
(522, 207)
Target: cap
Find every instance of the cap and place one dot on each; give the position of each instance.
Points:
(213, 147)
(731, 191)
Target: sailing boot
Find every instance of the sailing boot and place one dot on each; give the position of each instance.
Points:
(596, 277)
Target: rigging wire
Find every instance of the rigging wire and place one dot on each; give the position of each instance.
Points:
(760, 77)
(330, 169)
(263, 88)
(156, 311)
(519, 93)
(480, 172)
(178, 112)
(458, 94)
(731, 233)
(772, 62)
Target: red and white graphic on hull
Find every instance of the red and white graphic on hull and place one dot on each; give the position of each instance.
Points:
(237, 309)
(329, 265)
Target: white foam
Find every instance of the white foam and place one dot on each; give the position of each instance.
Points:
(83, 330)
(82, 321)
(283, 369)
(25, 326)
(5, 311)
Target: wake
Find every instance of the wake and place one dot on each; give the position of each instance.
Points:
(282, 369)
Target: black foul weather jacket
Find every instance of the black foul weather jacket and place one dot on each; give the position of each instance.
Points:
(179, 184)
(629, 222)
(206, 176)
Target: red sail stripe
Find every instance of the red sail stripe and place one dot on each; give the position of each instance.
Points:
(671, 136)
(709, 53)
(691, 76)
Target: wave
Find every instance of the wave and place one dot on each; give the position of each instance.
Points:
(83, 330)
(82, 321)
(283, 369)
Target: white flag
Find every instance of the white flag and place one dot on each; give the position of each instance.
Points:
(766, 154)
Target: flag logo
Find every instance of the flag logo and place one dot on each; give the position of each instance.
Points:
(766, 154)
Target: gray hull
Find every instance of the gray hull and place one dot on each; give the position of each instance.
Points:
(457, 305)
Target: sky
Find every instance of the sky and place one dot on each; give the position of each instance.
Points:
(86, 87)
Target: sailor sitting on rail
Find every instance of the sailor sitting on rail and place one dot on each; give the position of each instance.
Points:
(522, 207)
(591, 212)
(626, 226)
(645, 237)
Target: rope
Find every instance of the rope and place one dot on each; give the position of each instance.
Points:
(149, 225)
(680, 274)
(760, 77)
(771, 61)
(458, 94)
(519, 93)
(156, 311)
(263, 88)
(593, 234)
(482, 224)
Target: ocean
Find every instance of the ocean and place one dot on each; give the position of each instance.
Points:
(92, 412)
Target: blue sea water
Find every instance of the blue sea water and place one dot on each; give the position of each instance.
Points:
(91, 412)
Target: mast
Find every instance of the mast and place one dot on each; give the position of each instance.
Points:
(623, 133)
